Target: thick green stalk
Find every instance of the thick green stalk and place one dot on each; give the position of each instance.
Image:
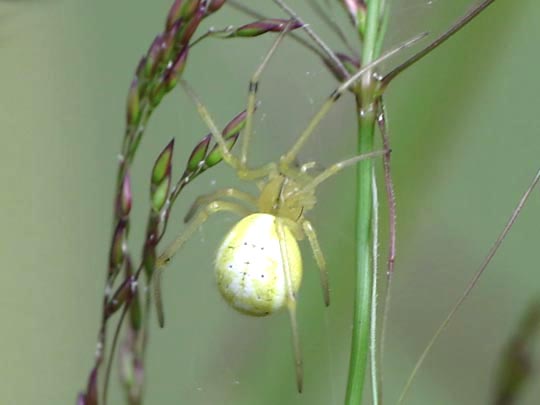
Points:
(364, 210)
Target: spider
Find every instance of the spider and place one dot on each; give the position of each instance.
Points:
(259, 265)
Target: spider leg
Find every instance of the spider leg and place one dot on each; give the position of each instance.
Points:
(291, 304)
(194, 224)
(252, 95)
(319, 258)
(336, 168)
(288, 158)
(242, 171)
(225, 192)
(236, 163)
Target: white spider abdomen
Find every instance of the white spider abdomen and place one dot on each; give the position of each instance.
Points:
(249, 265)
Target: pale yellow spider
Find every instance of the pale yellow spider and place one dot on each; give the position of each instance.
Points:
(259, 265)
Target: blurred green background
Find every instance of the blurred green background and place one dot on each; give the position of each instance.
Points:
(465, 129)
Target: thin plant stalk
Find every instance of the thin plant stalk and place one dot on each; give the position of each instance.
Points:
(365, 108)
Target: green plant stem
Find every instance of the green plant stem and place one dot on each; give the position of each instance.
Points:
(364, 272)
(360, 344)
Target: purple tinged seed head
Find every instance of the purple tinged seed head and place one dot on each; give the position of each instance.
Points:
(198, 155)
(175, 71)
(191, 26)
(161, 178)
(133, 103)
(235, 125)
(174, 14)
(215, 5)
(91, 397)
(154, 56)
(263, 26)
(118, 246)
(149, 256)
(123, 294)
(181, 9)
(125, 198)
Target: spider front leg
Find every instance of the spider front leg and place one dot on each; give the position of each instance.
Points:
(194, 224)
(291, 302)
(216, 195)
(319, 258)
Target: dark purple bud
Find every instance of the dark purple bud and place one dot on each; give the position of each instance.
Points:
(215, 5)
(124, 199)
(118, 246)
(91, 397)
(215, 156)
(133, 103)
(163, 164)
(175, 71)
(263, 26)
(197, 155)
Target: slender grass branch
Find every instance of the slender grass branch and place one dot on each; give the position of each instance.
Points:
(365, 102)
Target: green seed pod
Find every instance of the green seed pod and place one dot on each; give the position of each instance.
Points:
(198, 154)
(215, 156)
(118, 246)
(133, 103)
(149, 256)
(160, 193)
(163, 164)
(235, 125)
(263, 26)
(124, 199)
(154, 56)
